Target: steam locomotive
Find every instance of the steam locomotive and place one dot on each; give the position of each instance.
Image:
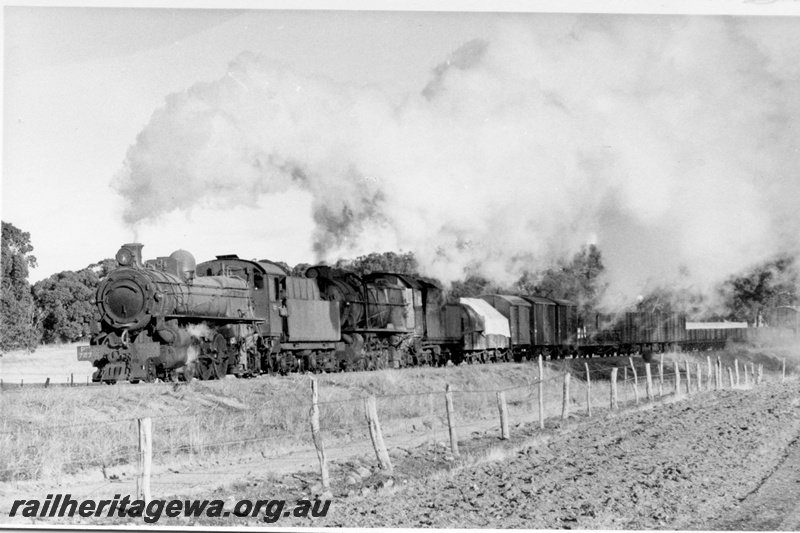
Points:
(169, 318)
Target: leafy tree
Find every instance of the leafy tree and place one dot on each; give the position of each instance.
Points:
(577, 280)
(65, 305)
(299, 269)
(284, 265)
(472, 287)
(751, 295)
(667, 299)
(17, 310)
(102, 268)
(404, 263)
(65, 302)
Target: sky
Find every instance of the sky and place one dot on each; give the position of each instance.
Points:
(484, 140)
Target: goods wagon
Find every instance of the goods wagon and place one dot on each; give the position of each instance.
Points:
(518, 314)
(543, 324)
(485, 331)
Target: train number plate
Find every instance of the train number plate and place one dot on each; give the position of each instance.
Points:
(86, 353)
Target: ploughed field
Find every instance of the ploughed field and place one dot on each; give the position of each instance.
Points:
(692, 464)
(711, 460)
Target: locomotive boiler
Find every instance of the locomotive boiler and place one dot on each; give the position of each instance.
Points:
(168, 318)
(153, 317)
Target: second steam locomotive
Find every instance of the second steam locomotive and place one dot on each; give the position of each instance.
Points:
(170, 318)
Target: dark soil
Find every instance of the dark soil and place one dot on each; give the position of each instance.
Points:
(683, 465)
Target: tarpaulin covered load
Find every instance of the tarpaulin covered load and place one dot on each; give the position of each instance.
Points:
(492, 321)
(518, 313)
(716, 325)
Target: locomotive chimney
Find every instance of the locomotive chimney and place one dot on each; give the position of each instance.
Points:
(130, 255)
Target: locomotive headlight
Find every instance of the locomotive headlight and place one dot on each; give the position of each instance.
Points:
(124, 257)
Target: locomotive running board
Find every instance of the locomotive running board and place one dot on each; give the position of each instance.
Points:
(390, 331)
(236, 320)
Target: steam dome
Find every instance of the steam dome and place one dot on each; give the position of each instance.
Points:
(185, 260)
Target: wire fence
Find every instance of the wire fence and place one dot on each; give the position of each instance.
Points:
(444, 425)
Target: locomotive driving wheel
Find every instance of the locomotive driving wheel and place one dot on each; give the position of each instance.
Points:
(204, 368)
(220, 348)
(213, 361)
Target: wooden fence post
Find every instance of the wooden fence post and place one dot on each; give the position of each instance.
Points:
(71, 380)
(625, 376)
(635, 381)
(145, 459)
(710, 374)
(783, 371)
(760, 374)
(47, 383)
(316, 434)
(588, 390)
(688, 377)
(565, 404)
(753, 372)
(677, 379)
(745, 375)
(730, 376)
(736, 370)
(699, 377)
(613, 388)
(661, 376)
(648, 382)
(501, 405)
(376, 435)
(541, 393)
(451, 422)
(432, 411)
(719, 369)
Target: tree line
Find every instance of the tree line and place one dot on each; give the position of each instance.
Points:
(61, 308)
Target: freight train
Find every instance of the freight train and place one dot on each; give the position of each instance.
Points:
(172, 319)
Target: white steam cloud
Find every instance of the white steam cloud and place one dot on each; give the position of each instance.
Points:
(670, 141)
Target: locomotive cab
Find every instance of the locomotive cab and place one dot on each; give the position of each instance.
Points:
(295, 328)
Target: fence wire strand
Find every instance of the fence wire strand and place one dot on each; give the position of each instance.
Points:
(434, 420)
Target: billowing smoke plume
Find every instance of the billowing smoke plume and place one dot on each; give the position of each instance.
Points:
(671, 142)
